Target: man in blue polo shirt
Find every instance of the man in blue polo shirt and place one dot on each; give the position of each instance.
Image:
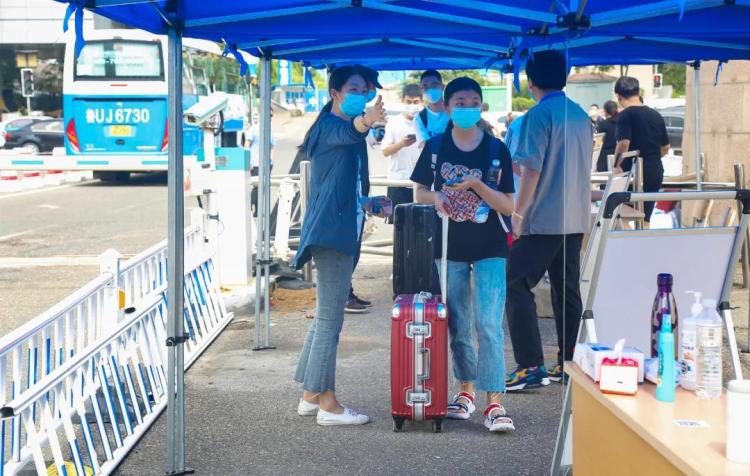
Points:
(551, 215)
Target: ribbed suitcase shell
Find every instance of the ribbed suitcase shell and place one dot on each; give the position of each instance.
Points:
(419, 357)
(414, 267)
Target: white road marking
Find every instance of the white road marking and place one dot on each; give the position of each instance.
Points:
(14, 235)
(42, 190)
(49, 207)
(80, 260)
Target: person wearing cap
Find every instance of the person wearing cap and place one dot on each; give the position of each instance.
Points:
(355, 304)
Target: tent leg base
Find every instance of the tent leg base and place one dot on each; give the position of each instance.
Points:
(180, 473)
(264, 347)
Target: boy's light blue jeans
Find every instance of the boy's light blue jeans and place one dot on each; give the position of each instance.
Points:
(316, 370)
(480, 301)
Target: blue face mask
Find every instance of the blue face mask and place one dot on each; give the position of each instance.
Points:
(433, 95)
(371, 95)
(354, 104)
(466, 117)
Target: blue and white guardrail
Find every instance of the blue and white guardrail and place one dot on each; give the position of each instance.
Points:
(82, 382)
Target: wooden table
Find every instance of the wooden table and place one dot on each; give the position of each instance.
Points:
(624, 435)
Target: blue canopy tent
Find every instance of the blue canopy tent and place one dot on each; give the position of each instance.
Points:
(398, 35)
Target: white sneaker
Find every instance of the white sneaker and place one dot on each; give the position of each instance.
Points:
(349, 417)
(307, 409)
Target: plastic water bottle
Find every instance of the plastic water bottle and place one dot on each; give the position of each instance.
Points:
(492, 180)
(689, 344)
(710, 333)
(493, 175)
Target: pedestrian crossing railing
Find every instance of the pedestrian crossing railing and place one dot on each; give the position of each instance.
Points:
(83, 381)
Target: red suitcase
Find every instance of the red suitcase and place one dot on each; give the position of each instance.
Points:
(419, 356)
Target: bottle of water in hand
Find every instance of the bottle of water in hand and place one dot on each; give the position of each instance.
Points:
(709, 336)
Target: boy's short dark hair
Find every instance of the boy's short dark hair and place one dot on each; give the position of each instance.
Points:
(627, 87)
(431, 73)
(610, 107)
(463, 83)
(547, 69)
(411, 90)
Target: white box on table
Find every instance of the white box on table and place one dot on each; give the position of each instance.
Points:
(589, 358)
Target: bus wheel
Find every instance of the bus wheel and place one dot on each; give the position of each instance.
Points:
(112, 176)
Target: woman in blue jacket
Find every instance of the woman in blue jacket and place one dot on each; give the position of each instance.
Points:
(330, 232)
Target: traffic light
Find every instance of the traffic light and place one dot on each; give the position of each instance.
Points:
(657, 81)
(27, 82)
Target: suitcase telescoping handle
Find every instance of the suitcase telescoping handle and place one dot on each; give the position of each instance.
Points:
(444, 261)
(425, 375)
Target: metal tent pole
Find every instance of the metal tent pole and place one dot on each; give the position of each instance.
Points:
(175, 272)
(263, 240)
(698, 157)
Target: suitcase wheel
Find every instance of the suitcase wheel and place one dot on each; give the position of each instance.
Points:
(437, 426)
(398, 424)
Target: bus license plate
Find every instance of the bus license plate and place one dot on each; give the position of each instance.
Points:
(120, 131)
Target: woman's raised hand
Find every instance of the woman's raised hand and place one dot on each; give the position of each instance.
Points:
(375, 114)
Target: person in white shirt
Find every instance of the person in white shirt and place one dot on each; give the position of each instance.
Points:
(400, 145)
(433, 119)
(252, 142)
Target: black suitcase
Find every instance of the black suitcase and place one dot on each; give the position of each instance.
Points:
(414, 268)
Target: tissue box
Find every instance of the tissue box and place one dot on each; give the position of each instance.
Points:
(589, 358)
(619, 376)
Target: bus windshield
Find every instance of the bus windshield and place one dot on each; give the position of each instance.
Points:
(120, 59)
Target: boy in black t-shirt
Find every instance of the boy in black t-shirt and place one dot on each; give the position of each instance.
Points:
(472, 176)
(643, 129)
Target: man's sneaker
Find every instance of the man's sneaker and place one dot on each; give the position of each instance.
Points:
(349, 417)
(527, 378)
(557, 374)
(364, 302)
(307, 409)
(354, 307)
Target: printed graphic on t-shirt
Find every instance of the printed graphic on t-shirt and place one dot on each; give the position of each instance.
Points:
(462, 204)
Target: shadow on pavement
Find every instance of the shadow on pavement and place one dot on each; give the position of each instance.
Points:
(241, 409)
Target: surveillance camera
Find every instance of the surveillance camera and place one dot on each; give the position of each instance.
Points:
(206, 108)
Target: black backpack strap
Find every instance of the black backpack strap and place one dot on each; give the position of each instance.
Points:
(423, 117)
(495, 144)
(494, 147)
(434, 144)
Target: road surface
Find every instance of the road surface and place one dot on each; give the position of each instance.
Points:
(50, 238)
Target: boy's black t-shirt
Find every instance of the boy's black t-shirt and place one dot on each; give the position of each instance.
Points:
(467, 240)
(645, 129)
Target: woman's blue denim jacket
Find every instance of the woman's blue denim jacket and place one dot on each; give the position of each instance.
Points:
(331, 217)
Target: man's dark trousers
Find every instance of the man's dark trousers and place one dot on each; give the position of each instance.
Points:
(530, 257)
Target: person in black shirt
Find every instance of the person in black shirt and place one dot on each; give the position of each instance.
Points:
(472, 175)
(640, 128)
(609, 127)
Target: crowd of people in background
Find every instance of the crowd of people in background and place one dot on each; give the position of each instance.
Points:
(537, 180)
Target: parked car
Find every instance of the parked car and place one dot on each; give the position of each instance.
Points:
(674, 117)
(35, 134)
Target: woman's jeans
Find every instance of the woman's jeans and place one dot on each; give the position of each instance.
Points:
(481, 300)
(316, 370)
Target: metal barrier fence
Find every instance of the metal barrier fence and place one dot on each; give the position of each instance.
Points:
(90, 352)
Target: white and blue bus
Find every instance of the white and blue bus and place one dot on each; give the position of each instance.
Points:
(115, 99)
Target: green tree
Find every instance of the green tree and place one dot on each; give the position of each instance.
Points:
(521, 103)
(674, 75)
(48, 77)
